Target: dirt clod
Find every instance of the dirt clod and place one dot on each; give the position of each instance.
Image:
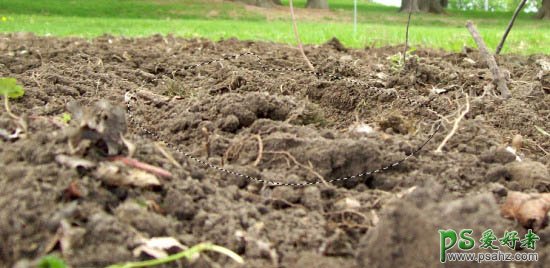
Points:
(217, 112)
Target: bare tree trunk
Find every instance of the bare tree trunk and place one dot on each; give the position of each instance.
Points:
(409, 5)
(433, 6)
(261, 3)
(323, 4)
(544, 12)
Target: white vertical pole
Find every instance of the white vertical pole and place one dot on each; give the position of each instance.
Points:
(486, 5)
(354, 16)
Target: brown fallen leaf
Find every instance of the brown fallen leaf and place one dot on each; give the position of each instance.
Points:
(529, 209)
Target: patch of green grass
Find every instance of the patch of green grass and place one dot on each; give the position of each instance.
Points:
(378, 25)
(141, 9)
(524, 41)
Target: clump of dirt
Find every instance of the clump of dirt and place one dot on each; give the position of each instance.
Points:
(405, 235)
(359, 114)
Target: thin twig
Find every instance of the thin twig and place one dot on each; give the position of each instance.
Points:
(297, 35)
(510, 24)
(407, 36)
(498, 78)
(455, 125)
(260, 150)
(308, 168)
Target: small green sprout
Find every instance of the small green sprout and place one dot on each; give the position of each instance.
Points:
(396, 60)
(188, 254)
(51, 261)
(10, 88)
(66, 118)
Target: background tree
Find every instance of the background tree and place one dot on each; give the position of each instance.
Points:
(433, 6)
(317, 4)
(261, 3)
(544, 10)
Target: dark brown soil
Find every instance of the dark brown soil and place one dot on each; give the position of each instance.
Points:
(217, 111)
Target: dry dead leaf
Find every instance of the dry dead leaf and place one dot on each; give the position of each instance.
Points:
(158, 247)
(530, 210)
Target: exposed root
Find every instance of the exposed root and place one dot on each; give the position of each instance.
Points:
(159, 146)
(143, 166)
(207, 142)
(260, 150)
(233, 151)
(308, 168)
(455, 125)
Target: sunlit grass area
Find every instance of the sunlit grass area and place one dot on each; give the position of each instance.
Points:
(378, 25)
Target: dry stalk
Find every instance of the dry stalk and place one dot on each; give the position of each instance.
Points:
(510, 24)
(407, 36)
(455, 125)
(297, 35)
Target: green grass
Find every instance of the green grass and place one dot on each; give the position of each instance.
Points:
(379, 25)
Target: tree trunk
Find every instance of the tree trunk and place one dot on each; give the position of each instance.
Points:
(433, 6)
(317, 4)
(444, 3)
(261, 3)
(544, 11)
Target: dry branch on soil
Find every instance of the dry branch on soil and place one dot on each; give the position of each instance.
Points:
(498, 78)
